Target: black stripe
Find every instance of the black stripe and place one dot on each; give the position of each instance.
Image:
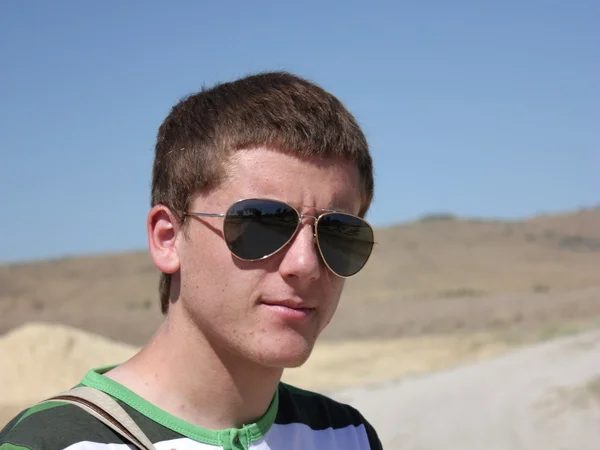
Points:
(315, 410)
(374, 441)
(64, 425)
(10, 425)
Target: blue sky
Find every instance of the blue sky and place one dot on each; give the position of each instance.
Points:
(482, 109)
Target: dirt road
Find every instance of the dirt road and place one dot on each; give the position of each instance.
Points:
(542, 397)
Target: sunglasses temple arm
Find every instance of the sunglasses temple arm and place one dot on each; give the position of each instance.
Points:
(204, 214)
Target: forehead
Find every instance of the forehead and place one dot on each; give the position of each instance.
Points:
(317, 181)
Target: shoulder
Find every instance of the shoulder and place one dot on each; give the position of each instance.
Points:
(320, 412)
(53, 425)
(296, 404)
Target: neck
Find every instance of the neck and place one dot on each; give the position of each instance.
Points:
(181, 372)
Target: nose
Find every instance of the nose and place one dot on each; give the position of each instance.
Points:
(301, 260)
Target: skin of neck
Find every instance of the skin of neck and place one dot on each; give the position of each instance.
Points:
(181, 372)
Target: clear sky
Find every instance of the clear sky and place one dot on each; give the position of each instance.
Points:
(477, 108)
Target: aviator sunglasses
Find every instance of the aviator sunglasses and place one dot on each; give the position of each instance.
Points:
(256, 228)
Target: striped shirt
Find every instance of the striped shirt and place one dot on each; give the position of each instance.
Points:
(296, 419)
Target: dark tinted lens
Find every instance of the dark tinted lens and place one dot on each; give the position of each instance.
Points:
(256, 228)
(345, 241)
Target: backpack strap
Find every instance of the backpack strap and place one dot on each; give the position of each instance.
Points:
(104, 408)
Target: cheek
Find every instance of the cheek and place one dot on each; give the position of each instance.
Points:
(206, 268)
(335, 291)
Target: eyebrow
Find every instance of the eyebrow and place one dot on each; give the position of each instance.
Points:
(334, 209)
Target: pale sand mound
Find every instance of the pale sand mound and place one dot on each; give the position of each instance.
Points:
(42, 359)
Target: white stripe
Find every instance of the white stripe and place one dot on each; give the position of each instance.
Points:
(173, 444)
(298, 436)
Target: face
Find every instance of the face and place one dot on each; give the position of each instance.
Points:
(269, 311)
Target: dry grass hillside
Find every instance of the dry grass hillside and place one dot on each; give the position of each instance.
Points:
(438, 275)
(441, 275)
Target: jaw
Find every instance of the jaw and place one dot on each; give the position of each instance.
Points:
(283, 346)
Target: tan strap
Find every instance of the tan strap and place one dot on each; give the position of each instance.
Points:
(104, 408)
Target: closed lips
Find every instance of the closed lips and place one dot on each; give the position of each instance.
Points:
(288, 304)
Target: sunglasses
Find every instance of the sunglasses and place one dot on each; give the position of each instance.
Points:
(255, 229)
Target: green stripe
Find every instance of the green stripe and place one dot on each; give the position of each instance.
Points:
(37, 408)
(248, 433)
(12, 447)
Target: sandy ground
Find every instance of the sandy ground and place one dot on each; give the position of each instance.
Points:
(546, 397)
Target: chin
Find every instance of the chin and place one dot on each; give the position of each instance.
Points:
(286, 355)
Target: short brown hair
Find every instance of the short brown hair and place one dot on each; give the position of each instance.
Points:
(276, 110)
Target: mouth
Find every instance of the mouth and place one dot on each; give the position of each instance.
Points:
(289, 309)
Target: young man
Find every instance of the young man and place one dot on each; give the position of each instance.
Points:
(258, 193)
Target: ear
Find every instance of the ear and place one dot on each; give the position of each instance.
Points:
(163, 230)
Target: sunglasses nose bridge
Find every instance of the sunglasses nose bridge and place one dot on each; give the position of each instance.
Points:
(314, 227)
